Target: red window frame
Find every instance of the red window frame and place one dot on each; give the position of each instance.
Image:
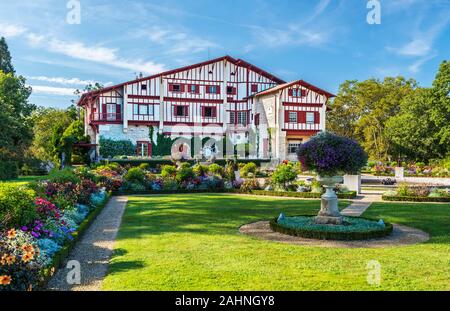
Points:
(171, 87)
(185, 111)
(208, 89)
(149, 147)
(254, 88)
(213, 112)
(233, 90)
(196, 91)
(299, 93)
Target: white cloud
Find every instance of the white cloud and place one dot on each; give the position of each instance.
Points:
(416, 66)
(50, 90)
(176, 42)
(102, 55)
(66, 81)
(10, 31)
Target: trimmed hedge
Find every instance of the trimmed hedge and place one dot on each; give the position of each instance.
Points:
(414, 198)
(311, 195)
(326, 235)
(63, 253)
(306, 195)
(154, 162)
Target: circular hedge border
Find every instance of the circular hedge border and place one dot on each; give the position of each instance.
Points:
(327, 235)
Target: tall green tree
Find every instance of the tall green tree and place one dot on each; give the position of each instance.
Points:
(361, 110)
(15, 112)
(5, 57)
(421, 130)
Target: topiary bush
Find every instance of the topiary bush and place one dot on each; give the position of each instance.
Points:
(249, 168)
(168, 171)
(135, 175)
(216, 169)
(184, 173)
(200, 170)
(16, 205)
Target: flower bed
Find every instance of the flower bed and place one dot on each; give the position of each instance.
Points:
(355, 228)
(312, 195)
(39, 225)
(423, 193)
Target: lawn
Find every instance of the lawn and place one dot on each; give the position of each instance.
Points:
(23, 180)
(191, 242)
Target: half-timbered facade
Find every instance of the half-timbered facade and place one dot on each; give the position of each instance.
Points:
(220, 98)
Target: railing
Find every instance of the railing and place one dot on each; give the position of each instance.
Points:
(106, 117)
(143, 117)
(302, 126)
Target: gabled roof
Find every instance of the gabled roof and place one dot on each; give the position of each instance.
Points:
(297, 82)
(237, 62)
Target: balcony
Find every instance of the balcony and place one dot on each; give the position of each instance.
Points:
(106, 117)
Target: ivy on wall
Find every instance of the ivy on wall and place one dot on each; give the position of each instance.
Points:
(163, 144)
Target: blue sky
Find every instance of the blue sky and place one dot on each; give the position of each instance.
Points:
(323, 42)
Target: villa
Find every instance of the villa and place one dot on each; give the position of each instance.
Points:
(223, 98)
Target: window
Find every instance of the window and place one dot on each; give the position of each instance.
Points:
(143, 109)
(231, 90)
(297, 92)
(242, 117)
(212, 89)
(111, 111)
(310, 117)
(144, 87)
(176, 87)
(193, 88)
(209, 112)
(232, 117)
(143, 149)
(181, 111)
(293, 117)
(254, 88)
(257, 119)
(292, 147)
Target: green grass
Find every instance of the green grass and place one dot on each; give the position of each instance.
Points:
(191, 242)
(23, 180)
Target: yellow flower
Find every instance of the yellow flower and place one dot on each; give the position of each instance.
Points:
(10, 260)
(3, 259)
(5, 279)
(28, 248)
(12, 234)
(27, 257)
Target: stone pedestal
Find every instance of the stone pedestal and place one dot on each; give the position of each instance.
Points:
(329, 213)
(353, 183)
(399, 173)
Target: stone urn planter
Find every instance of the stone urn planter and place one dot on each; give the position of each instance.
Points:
(329, 211)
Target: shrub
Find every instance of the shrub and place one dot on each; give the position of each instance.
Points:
(63, 176)
(404, 190)
(200, 170)
(250, 184)
(16, 205)
(8, 170)
(284, 174)
(168, 171)
(328, 154)
(184, 173)
(216, 169)
(248, 168)
(144, 166)
(84, 173)
(110, 148)
(135, 175)
(170, 184)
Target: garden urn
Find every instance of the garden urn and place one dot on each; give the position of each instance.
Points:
(329, 211)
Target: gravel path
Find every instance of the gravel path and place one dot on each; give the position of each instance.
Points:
(401, 236)
(94, 250)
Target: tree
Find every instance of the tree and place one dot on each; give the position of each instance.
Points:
(361, 110)
(15, 121)
(46, 122)
(5, 58)
(421, 130)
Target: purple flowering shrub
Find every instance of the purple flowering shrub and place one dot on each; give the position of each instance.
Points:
(328, 155)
